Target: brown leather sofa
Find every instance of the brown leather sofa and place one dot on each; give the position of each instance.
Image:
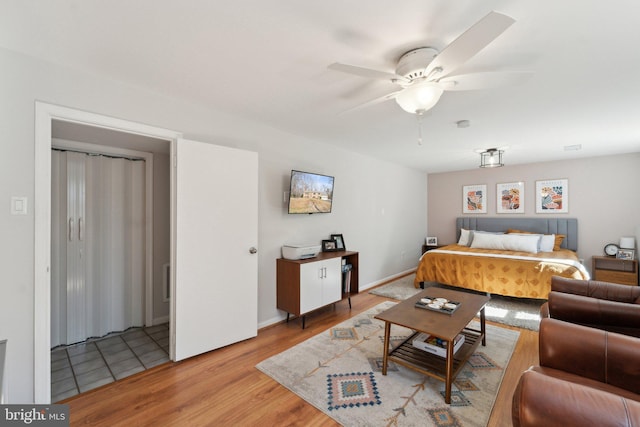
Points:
(586, 377)
(608, 306)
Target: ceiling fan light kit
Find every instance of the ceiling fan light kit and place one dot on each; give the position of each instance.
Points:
(491, 158)
(419, 97)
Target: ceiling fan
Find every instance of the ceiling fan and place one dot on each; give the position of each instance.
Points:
(424, 73)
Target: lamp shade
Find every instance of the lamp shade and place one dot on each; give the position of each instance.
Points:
(419, 97)
(627, 242)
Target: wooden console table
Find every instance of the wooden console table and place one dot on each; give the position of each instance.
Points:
(306, 285)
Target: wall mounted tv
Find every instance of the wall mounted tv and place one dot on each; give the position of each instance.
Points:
(310, 193)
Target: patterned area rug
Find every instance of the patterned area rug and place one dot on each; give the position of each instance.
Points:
(519, 312)
(339, 372)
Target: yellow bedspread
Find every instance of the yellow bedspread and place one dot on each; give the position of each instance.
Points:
(494, 271)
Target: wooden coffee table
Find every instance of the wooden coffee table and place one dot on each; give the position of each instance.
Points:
(442, 325)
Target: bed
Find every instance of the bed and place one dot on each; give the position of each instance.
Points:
(482, 263)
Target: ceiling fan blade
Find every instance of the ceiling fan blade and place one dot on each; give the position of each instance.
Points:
(365, 72)
(488, 80)
(469, 43)
(375, 101)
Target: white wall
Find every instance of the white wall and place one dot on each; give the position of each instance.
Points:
(602, 197)
(379, 207)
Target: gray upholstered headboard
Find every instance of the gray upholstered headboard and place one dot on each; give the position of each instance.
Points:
(566, 226)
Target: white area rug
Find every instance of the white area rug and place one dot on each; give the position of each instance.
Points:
(519, 312)
(339, 372)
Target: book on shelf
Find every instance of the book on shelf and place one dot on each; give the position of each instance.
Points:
(346, 277)
(435, 345)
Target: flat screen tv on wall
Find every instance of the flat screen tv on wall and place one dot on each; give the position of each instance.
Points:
(310, 193)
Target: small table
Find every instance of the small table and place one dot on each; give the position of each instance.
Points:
(442, 325)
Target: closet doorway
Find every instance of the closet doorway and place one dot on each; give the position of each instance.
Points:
(110, 249)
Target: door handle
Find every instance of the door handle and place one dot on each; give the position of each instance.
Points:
(253, 250)
(71, 229)
(80, 235)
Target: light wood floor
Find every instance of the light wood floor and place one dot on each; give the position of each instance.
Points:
(223, 387)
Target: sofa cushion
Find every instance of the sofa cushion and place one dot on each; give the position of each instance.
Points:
(545, 397)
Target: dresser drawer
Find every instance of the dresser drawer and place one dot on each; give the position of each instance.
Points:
(616, 277)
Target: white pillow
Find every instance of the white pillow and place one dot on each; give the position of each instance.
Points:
(465, 237)
(507, 242)
(546, 243)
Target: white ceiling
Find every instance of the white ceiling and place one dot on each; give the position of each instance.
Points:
(267, 60)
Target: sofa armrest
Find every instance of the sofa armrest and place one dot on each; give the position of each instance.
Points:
(597, 289)
(544, 310)
(591, 353)
(541, 400)
(593, 311)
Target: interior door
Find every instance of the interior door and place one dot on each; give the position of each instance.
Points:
(215, 299)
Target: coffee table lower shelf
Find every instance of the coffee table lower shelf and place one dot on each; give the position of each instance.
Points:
(430, 364)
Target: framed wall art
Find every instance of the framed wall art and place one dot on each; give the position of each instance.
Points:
(510, 197)
(474, 199)
(552, 196)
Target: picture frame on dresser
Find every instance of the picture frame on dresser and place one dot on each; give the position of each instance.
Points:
(339, 239)
(329, 246)
(626, 254)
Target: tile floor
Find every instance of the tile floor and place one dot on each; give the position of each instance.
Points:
(81, 367)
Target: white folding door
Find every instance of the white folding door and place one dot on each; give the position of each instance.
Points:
(98, 245)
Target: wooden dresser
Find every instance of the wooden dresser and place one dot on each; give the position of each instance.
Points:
(615, 270)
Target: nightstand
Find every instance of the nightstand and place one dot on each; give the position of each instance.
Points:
(426, 248)
(615, 270)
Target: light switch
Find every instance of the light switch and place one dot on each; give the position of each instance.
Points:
(18, 205)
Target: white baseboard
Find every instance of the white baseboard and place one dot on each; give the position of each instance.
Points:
(271, 321)
(386, 279)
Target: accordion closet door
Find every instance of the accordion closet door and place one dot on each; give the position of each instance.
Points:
(98, 245)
